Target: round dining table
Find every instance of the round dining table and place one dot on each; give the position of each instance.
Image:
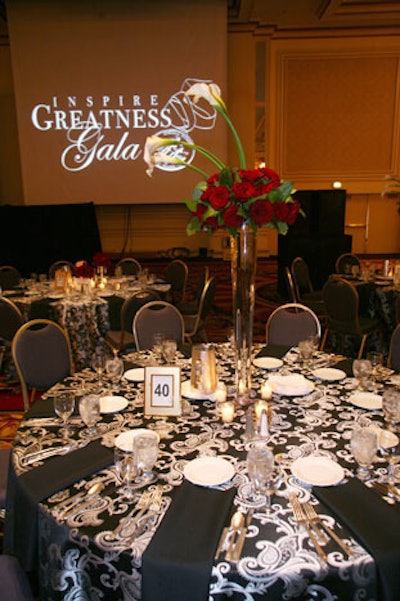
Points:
(82, 541)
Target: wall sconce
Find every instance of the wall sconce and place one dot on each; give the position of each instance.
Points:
(336, 185)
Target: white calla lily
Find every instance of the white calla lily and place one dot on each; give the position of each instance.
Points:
(210, 92)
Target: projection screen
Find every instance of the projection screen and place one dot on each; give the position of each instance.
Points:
(93, 79)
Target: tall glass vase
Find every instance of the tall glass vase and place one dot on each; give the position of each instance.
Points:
(243, 269)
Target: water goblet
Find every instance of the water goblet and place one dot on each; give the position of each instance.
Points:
(169, 348)
(146, 448)
(376, 359)
(362, 369)
(127, 469)
(89, 410)
(98, 364)
(114, 369)
(306, 349)
(64, 405)
(157, 344)
(260, 466)
(391, 413)
(364, 446)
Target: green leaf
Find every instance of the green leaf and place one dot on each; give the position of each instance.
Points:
(191, 205)
(226, 178)
(193, 226)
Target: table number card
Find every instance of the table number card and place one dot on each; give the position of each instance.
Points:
(162, 391)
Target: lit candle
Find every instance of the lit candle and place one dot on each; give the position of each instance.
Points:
(220, 393)
(266, 391)
(227, 412)
(242, 387)
(259, 407)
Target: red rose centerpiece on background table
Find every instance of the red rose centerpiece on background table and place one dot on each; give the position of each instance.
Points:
(237, 200)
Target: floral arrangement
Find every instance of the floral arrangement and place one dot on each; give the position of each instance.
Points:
(100, 259)
(83, 269)
(230, 197)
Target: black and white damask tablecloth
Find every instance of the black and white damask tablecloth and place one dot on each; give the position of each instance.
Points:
(84, 555)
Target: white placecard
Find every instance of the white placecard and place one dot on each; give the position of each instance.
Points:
(162, 391)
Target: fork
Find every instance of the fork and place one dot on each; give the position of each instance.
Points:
(301, 518)
(314, 517)
(141, 505)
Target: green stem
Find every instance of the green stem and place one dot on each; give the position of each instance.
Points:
(209, 155)
(242, 158)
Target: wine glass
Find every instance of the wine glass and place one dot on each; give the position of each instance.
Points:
(64, 405)
(89, 410)
(146, 448)
(260, 466)
(362, 369)
(169, 348)
(127, 468)
(364, 446)
(376, 359)
(114, 369)
(306, 349)
(98, 364)
(157, 344)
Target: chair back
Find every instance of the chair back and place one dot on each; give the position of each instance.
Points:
(157, 317)
(176, 274)
(290, 287)
(345, 262)
(42, 355)
(10, 277)
(59, 265)
(394, 349)
(290, 323)
(342, 305)
(195, 323)
(301, 278)
(132, 304)
(129, 266)
(204, 277)
(11, 319)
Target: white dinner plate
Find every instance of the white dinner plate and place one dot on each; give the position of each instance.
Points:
(125, 440)
(366, 400)
(291, 385)
(329, 374)
(209, 471)
(135, 375)
(268, 362)
(112, 404)
(55, 295)
(386, 438)
(105, 293)
(317, 471)
(192, 393)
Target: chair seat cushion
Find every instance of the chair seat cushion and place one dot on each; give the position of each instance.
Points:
(14, 581)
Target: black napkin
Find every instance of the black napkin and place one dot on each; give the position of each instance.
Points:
(346, 365)
(26, 491)
(42, 408)
(274, 350)
(374, 523)
(177, 563)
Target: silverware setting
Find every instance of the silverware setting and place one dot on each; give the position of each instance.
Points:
(86, 499)
(232, 537)
(319, 532)
(242, 536)
(50, 452)
(148, 500)
(388, 490)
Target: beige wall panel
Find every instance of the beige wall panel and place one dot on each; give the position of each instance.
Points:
(384, 225)
(356, 221)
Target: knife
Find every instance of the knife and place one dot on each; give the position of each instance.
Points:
(242, 536)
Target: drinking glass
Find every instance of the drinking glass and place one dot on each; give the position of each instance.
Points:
(64, 405)
(169, 348)
(98, 364)
(391, 413)
(89, 410)
(127, 469)
(306, 348)
(157, 343)
(146, 448)
(376, 359)
(260, 466)
(362, 369)
(364, 445)
(114, 369)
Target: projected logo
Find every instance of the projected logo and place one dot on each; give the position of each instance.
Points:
(88, 131)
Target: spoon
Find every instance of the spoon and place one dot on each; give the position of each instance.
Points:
(93, 490)
(237, 523)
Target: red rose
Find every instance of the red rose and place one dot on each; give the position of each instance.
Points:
(213, 179)
(271, 175)
(261, 211)
(231, 217)
(211, 223)
(200, 210)
(250, 175)
(243, 191)
(294, 209)
(281, 211)
(218, 197)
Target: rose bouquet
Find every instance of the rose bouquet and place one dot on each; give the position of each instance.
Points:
(230, 197)
(83, 269)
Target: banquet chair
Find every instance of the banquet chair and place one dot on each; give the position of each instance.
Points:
(42, 356)
(129, 266)
(345, 262)
(123, 338)
(393, 361)
(11, 319)
(176, 274)
(59, 265)
(343, 316)
(290, 323)
(302, 282)
(290, 287)
(10, 277)
(15, 585)
(157, 317)
(195, 323)
(187, 308)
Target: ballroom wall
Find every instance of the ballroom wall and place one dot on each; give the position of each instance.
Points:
(330, 111)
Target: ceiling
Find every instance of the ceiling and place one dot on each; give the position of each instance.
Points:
(305, 14)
